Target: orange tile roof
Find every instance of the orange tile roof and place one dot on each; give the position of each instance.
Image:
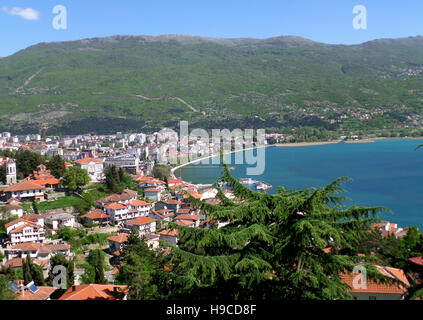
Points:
(11, 223)
(137, 203)
(46, 181)
(93, 292)
(140, 221)
(184, 222)
(29, 246)
(87, 160)
(119, 238)
(115, 206)
(23, 186)
(95, 214)
(170, 232)
(43, 293)
(374, 287)
(187, 217)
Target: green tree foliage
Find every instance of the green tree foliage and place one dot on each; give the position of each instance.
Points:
(118, 180)
(32, 272)
(94, 271)
(5, 292)
(26, 161)
(57, 166)
(143, 270)
(272, 246)
(161, 171)
(411, 243)
(3, 174)
(61, 260)
(5, 218)
(75, 178)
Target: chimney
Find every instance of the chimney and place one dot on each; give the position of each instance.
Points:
(73, 288)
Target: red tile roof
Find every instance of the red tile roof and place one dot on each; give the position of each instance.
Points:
(119, 238)
(87, 160)
(140, 221)
(29, 246)
(43, 293)
(374, 287)
(23, 186)
(187, 217)
(417, 260)
(95, 214)
(93, 292)
(115, 206)
(137, 203)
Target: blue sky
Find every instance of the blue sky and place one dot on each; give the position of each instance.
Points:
(327, 21)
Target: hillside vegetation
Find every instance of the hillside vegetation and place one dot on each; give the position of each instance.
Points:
(134, 83)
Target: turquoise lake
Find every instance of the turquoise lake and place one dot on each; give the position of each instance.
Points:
(385, 173)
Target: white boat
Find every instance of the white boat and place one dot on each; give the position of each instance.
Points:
(246, 181)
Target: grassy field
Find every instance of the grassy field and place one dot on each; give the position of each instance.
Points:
(64, 202)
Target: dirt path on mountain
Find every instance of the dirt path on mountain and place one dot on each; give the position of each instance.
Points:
(170, 98)
(27, 81)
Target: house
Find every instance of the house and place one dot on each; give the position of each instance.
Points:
(165, 214)
(188, 217)
(125, 161)
(152, 240)
(22, 230)
(59, 220)
(94, 167)
(27, 190)
(96, 292)
(379, 291)
(390, 229)
(96, 216)
(117, 212)
(122, 197)
(31, 291)
(142, 225)
(171, 204)
(142, 207)
(170, 236)
(116, 243)
(37, 250)
(174, 182)
(43, 177)
(153, 194)
(208, 194)
(14, 207)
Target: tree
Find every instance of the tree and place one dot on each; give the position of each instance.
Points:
(5, 292)
(409, 243)
(61, 260)
(272, 246)
(56, 166)
(161, 171)
(94, 271)
(32, 272)
(143, 270)
(75, 178)
(3, 173)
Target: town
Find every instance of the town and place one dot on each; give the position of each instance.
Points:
(90, 193)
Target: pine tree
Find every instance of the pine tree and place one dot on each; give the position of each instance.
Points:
(273, 245)
(27, 268)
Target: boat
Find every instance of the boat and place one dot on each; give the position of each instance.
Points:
(246, 181)
(262, 185)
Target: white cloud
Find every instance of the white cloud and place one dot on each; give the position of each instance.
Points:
(27, 13)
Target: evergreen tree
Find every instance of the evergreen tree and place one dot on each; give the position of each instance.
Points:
(27, 269)
(272, 246)
(143, 270)
(57, 166)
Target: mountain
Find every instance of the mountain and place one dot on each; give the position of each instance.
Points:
(134, 83)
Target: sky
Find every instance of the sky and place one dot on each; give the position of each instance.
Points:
(27, 22)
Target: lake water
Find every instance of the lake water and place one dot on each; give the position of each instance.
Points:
(385, 173)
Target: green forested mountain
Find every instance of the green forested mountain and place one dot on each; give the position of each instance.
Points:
(123, 83)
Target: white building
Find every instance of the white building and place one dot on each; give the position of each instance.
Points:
(94, 167)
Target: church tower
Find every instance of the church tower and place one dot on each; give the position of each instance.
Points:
(10, 172)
